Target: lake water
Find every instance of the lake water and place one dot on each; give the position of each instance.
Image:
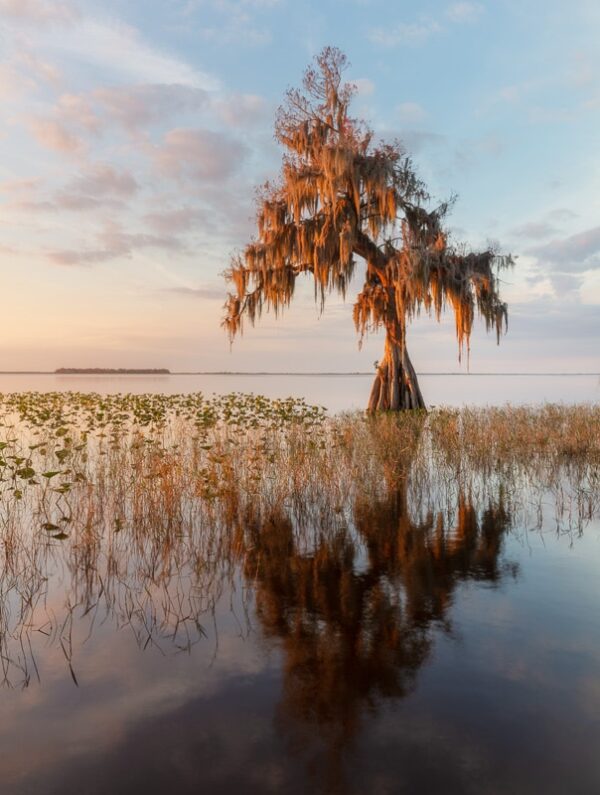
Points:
(335, 392)
(379, 670)
(431, 636)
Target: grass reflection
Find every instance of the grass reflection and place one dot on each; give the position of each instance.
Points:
(138, 512)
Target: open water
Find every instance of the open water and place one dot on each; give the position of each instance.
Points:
(335, 392)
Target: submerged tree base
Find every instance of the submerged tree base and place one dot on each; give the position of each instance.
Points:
(396, 387)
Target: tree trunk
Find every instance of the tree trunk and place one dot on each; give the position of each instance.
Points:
(395, 387)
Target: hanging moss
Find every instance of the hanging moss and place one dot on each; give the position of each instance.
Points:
(341, 196)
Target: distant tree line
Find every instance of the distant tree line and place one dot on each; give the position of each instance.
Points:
(111, 371)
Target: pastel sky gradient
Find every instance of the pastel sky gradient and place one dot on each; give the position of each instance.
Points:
(134, 132)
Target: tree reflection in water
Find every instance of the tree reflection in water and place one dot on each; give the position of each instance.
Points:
(339, 544)
(355, 617)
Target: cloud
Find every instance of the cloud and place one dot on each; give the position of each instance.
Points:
(419, 32)
(233, 5)
(114, 242)
(132, 107)
(53, 135)
(564, 261)
(23, 70)
(40, 69)
(571, 253)
(411, 33)
(565, 283)
(411, 113)
(39, 12)
(63, 201)
(537, 114)
(237, 31)
(201, 155)
(102, 179)
(13, 83)
(100, 185)
(78, 258)
(548, 226)
(76, 109)
(417, 140)
(212, 293)
(136, 107)
(516, 92)
(464, 12)
(121, 49)
(180, 220)
(238, 24)
(534, 230)
(139, 105)
(561, 214)
(490, 145)
(79, 203)
(546, 319)
(467, 153)
(241, 110)
(364, 86)
(583, 71)
(19, 185)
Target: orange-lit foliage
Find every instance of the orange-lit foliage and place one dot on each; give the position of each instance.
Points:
(341, 196)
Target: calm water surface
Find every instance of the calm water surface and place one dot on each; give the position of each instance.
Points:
(337, 393)
(382, 661)
(455, 652)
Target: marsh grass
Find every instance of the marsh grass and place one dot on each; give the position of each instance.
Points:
(140, 509)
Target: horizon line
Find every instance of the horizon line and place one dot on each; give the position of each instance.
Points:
(284, 372)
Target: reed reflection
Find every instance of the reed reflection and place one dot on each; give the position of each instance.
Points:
(134, 529)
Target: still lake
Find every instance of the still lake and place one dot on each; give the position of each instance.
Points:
(335, 392)
(410, 649)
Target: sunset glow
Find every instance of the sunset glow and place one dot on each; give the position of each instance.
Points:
(133, 138)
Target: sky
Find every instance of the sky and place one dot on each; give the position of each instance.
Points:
(134, 134)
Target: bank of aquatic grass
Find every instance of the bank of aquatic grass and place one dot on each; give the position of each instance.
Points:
(71, 460)
(138, 507)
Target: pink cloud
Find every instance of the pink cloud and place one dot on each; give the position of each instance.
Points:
(77, 109)
(98, 186)
(114, 242)
(78, 202)
(201, 155)
(138, 105)
(73, 258)
(38, 12)
(180, 220)
(13, 83)
(102, 179)
(19, 186)
(52, 134)
(42, 70)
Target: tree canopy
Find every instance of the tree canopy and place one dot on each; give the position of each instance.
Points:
(341, 195)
